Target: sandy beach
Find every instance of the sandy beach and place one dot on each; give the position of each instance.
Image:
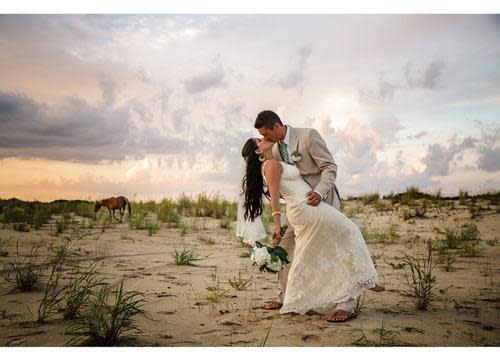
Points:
(197, 306)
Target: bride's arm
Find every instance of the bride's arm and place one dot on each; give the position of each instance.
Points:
(273, 170)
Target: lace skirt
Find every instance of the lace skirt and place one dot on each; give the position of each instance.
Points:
(331, 260)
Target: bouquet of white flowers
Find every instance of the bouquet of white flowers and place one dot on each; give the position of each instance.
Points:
(270, 259)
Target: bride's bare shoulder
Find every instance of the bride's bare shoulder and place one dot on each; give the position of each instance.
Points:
(272, 166)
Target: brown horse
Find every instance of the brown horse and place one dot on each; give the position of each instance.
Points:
(113, 204)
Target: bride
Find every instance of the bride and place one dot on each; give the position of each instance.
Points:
(331, 262)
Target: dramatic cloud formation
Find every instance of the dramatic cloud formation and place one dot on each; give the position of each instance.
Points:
(438, 158)
(157, 105)
(74, 130)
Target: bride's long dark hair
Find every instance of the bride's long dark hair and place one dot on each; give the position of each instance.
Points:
(253, 181)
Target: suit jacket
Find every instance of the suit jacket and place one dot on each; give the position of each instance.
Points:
(316, 165)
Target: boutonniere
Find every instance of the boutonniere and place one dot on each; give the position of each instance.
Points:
(296, 155)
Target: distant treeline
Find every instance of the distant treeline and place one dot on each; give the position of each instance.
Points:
(36, 213)
(414, 193)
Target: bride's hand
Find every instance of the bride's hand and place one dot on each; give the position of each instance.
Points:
(276, 236)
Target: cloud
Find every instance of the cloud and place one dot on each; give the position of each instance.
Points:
(431, 74)
(383, 179)
(427, 78)
(178, 119)
(357, 145)
(143, 76)
(399, 163)
(228, 165)
(489, 159)
(489, 148)
(108, 89)
(163, 99)
(384, 92)
(438, 158)
(210, 79)
(420, 135)
(361, 150)
(295, 76)
(143, 112)
(478, 101)
(74, 130)
(386, 127)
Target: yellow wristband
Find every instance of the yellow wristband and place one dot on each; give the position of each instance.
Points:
(275, 213)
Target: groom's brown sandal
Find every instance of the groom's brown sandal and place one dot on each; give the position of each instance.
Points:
(273, 305)
(377, 288)
(341, 313)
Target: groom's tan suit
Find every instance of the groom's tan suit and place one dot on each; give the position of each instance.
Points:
(318, 169)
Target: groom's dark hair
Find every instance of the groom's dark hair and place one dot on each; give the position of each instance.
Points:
(267, 119)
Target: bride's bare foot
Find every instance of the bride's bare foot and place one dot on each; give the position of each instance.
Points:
(377, 288)
(341, 316)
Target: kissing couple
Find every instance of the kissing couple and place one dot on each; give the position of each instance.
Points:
(330, 265)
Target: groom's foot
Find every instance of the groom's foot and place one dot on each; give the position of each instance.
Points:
(377, 288)
(273, 305)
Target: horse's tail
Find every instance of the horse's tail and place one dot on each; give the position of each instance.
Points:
(129, 209)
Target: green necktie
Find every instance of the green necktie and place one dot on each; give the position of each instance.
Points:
(284, 152)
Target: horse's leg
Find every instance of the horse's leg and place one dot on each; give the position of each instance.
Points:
(115, 215)
(110, 217)
(122, 210)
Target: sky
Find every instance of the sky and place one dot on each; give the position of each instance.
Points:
(152, 106)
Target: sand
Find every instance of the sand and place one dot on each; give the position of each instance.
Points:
(465, 314)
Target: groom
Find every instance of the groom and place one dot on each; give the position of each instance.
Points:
(308, 152)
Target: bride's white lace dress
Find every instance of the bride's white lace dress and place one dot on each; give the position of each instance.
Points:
(331, 262)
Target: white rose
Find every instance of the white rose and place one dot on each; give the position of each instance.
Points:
(275, 265)
(295, 158)
(261, 256)
(252, 255)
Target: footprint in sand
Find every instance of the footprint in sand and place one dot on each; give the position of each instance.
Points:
(133, 276)
(15, 342)
(230, 323)
(310, 337)
(167, 312)
(180, 283)
(164, 294)
(413, 330)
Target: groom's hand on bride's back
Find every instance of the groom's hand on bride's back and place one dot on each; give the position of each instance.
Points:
(313, 198)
